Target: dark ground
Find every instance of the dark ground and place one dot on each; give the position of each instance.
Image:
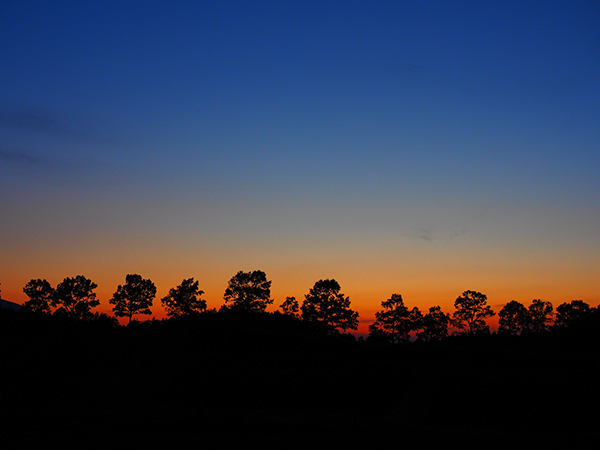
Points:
(265, 381)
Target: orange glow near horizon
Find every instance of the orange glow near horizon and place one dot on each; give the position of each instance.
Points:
(462, 156)
(367, 288)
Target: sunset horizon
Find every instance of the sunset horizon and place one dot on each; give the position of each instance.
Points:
(293, 224)
(422, 148)
(363, 301)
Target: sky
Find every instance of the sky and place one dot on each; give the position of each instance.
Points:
(416, 147)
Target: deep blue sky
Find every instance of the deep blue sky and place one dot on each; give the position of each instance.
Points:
(396, 142)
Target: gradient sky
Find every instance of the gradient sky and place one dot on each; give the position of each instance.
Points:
(413, 147)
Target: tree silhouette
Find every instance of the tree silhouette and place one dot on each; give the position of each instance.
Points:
(325, 305)
(569, 313)
(184, 299)
(434, 325)
(134, 297)
(290, 307)
(75, 296)
(471, 312)
(248, 291)
(540, 316)
(513, 318)
(395, 322)
(41, 295)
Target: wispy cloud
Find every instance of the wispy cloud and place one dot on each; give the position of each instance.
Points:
(45, 145)
(22, 159)
(472, 218)
(55, 169)
(30, 119)
(425, 233)
(25, 119)
(414, 67)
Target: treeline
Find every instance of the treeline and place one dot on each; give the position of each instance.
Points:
(325, 307)
(241, 375)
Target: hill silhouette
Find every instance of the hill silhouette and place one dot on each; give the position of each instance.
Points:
(9, 305)
(230, 378)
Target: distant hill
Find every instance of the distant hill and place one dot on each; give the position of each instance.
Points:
(9, 305)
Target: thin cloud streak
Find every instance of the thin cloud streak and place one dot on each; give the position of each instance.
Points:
(23, 159)
(30, 120)
(37, 121)
(30, 164)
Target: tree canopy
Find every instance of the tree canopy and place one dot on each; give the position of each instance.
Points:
(290, 307)
(434, 325)
(540, 316)
(75, 296)
(134, 297)
(471, 310)
(513, 318)
(248, 291)
(570, 312)
(395, 321)
(184, 299)
(325, 305)
(41, 295)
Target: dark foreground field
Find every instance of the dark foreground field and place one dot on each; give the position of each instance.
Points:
(266, 381)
